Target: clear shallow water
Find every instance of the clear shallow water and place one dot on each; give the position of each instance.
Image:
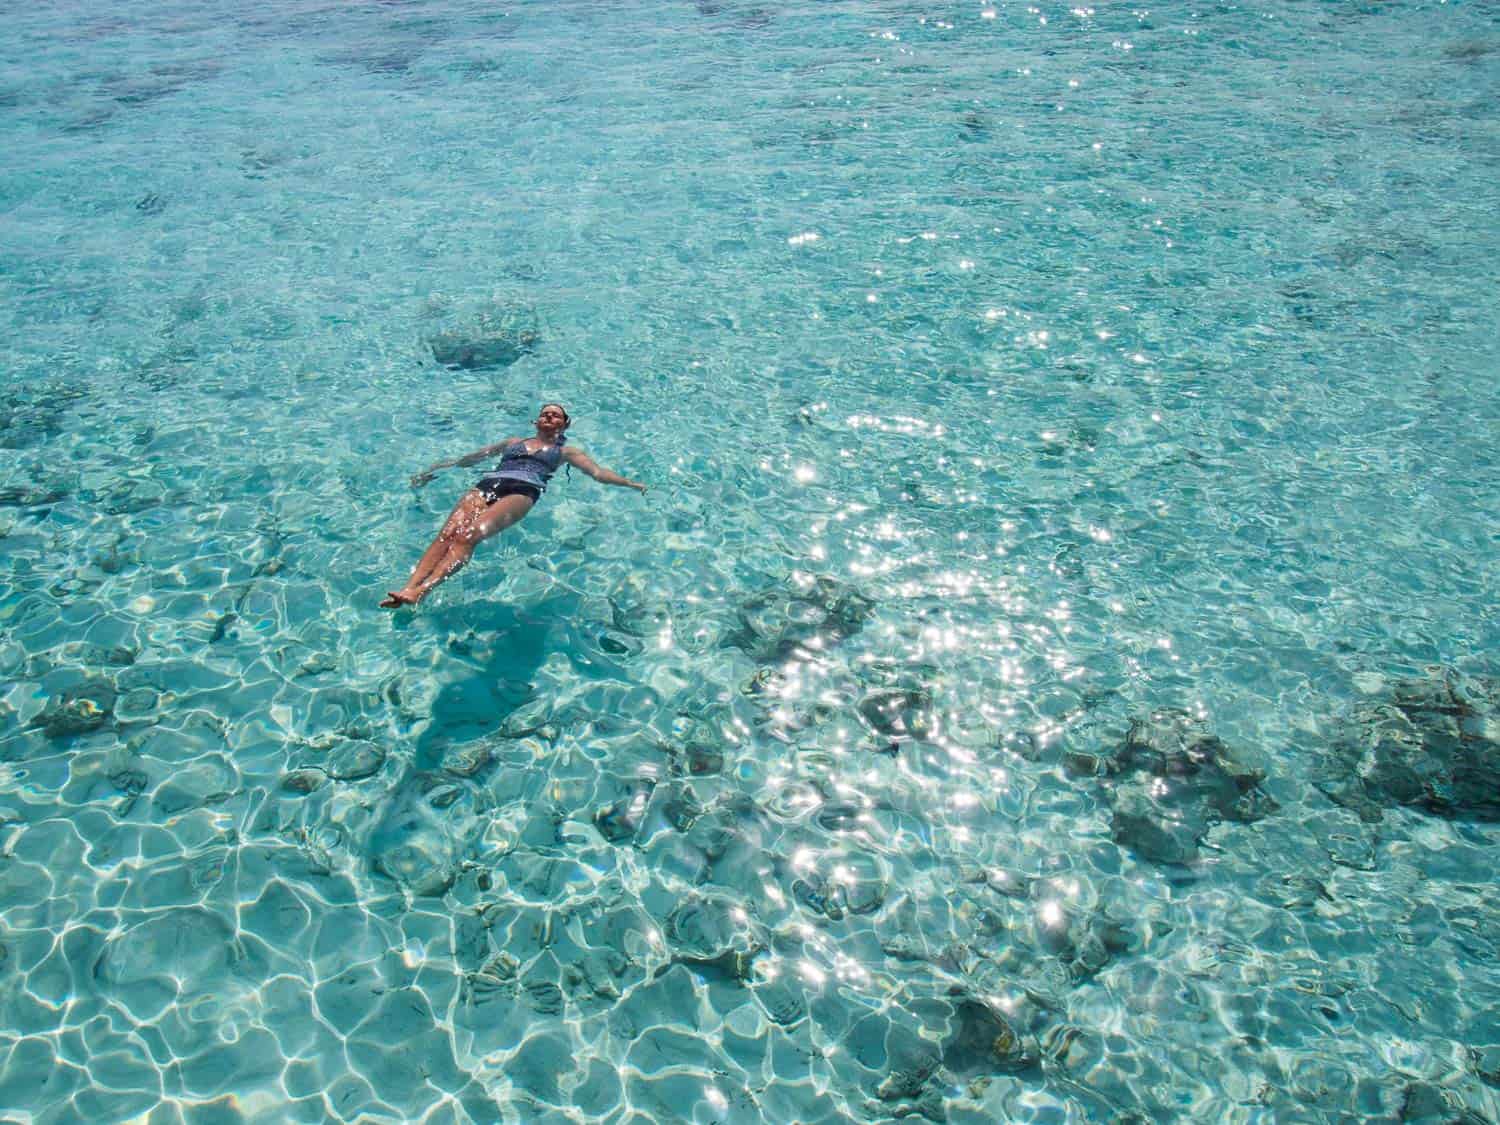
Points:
(1004, 375)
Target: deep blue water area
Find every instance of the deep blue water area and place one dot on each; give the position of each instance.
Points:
(1053, 676)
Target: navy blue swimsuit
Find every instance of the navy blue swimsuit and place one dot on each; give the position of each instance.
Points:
(521, 471)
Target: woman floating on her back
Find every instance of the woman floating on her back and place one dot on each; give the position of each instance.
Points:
(499, 499)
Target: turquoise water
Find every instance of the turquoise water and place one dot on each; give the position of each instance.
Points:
(1050, 679)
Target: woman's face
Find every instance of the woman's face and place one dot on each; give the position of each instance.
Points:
(551, 418)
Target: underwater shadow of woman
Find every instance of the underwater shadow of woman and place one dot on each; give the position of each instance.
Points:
(495, 653)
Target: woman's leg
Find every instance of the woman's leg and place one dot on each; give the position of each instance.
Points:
(493, 520)
(469, 510)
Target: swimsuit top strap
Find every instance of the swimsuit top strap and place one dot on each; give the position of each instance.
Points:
(522, 444)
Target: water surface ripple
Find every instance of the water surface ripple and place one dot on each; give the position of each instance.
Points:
(1052, 677)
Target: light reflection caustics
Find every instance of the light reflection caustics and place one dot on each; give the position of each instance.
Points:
(1024, 413)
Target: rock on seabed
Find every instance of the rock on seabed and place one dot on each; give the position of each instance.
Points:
(1432, 744)
(1177, 780)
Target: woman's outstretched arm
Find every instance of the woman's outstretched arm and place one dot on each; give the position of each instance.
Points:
(585, 464)
(466, 460)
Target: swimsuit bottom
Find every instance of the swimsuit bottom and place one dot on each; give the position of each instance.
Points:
(493, 488)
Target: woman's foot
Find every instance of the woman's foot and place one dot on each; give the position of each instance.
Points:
(395, 599)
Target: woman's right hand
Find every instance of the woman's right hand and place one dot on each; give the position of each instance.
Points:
(421, 478)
